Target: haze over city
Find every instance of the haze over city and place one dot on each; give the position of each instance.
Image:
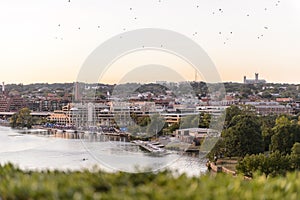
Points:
(48, 41)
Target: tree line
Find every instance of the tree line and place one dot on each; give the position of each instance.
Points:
(23, 119)
(259, 140)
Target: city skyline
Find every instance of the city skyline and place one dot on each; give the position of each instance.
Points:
(49, 41)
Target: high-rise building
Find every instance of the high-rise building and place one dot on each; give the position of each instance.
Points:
(77, 94)
(3, 88)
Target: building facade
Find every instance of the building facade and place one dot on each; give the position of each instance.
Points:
(254, 81)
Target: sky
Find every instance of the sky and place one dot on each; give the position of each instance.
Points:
(49, 40)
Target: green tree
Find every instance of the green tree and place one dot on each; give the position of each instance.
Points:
(286, 133)
(251, 163)
(244, 137)
(143, 121)
(274, 164)
(266, 95)
(268, 122)
(21, 119)
(218, 149)
(295, 156)
(278, 164)
(172, 128)
(204, 120)
(231, 112)
(13, 120)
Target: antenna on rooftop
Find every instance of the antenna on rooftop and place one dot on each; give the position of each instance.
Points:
(3, 87)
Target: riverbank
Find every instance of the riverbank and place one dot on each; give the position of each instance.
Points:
(225, 165)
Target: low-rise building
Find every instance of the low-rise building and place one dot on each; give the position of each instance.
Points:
(190, 135)
(59, 117)
(266, 108)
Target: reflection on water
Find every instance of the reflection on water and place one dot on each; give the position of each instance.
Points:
(33, 151)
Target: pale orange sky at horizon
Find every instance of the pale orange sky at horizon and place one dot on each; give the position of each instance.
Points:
(48, 41)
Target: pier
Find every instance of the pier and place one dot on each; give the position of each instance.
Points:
(77, 134)
(150, 147)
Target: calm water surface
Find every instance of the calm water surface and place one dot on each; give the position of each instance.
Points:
(37, 151)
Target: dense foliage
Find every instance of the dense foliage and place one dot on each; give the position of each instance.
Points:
(17, 184)
(267, 145)
(247, 133)
(21, 119)
(244, 137)
(274, 164)
(241, 134)
(286, 133)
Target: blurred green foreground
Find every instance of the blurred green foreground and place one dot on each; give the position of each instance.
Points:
(18, 184)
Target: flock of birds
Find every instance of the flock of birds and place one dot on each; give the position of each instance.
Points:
(218, 11)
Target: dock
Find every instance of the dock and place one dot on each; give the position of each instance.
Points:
(150, 147)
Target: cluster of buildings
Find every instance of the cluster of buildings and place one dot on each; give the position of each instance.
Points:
(62, 110)
(10, 103)
(13, 101)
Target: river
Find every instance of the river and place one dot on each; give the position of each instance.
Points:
(39, 152)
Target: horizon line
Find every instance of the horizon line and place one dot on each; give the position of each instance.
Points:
(143, 83)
